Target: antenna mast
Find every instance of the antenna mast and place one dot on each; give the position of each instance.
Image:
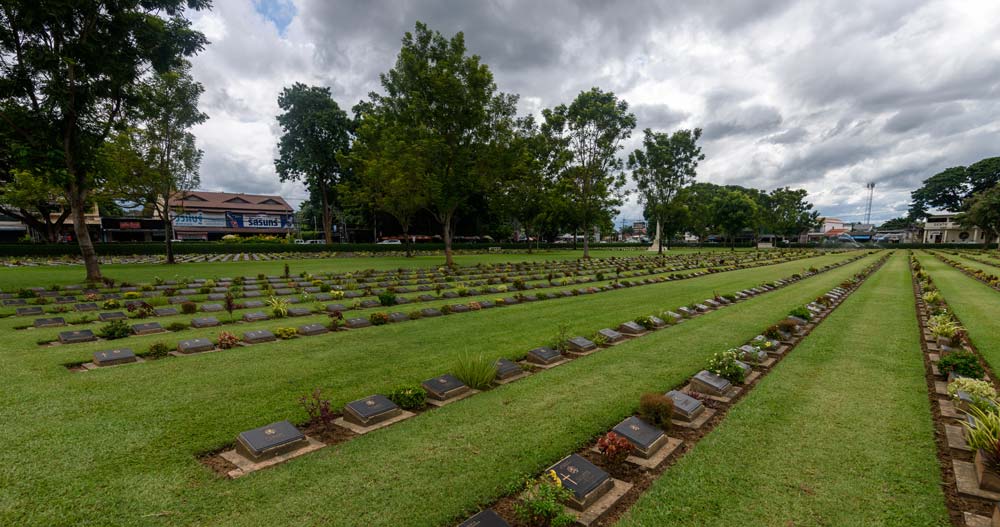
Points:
(868, 209)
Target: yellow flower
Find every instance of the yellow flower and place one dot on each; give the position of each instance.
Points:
(555, 478)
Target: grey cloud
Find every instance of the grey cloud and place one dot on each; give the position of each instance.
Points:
(743, 120)
(786, 137)
(658, 116)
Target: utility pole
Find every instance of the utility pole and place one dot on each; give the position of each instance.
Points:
(868, 209)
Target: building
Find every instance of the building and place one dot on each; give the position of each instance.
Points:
(829, 228)
(11, 229)
(199, 215)
(639, 227)
(942, 228)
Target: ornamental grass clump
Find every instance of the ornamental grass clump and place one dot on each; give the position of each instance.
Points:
(477, 371)
(724, 365)
(983, 433)
(279, 306)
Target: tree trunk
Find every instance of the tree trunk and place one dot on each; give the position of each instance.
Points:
(327, 219)
(78, 208)
(406, 240)
(168, 231)
(446, 224)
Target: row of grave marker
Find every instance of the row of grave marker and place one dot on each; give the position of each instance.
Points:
(254, 450)
(972, 479)
(124, 355)
(595, 491)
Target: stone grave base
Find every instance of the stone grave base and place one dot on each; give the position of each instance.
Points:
(600, 507)
(968, 483)
(92, 366)
(752, 377)
(545, 366)
(509, 380)
(657, 458)
(933, 357)
(176, 353)
(361, 430)
(975, 520)
(727, 398)
(956, 437)
(779, 351)
(437, 403)
(934, 370)
(941, 387)
(697, 422)
(767, 363)
(584, 353)
(948, 408)
(245, 466)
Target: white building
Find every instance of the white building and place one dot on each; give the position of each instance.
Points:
(942, 228)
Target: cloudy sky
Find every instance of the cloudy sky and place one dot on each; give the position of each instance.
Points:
(826, 95)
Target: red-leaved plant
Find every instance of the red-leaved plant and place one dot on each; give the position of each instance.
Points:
(319, 409)
(227, 340)
(614, 448)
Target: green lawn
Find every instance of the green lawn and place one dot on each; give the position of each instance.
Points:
(975, 304)
(117, 446)
(839, 434)
(15, 277)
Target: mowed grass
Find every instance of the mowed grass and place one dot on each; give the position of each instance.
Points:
(975, 304)
(117, 446)
(839, 434)
(15, 277)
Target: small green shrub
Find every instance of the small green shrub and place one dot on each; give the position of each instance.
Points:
(189, 308)
(645, 322)
(177, 326)
(157, 350)
(387, 299)
(285, 333)
(801, 312)
(111, 303)
(116, 329)
(131, 295)
(410, 397)
(476, 371)
(656, 409)
(414, 315)
(964, 363)
(378, 318)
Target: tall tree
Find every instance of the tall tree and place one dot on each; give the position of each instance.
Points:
(156, 162)
(699, 199)
(896, 223)
(664, 165)
(949, 189)
(787, 213)
(446, 104)
(69, 72)
(315, 132)
(588, 135)
(390, 173)
(523, 194)
(34, 201)
(983, 210)
(734, 212)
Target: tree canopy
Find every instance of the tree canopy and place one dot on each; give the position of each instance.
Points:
(949, 189)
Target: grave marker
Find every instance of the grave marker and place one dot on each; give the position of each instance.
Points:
(544, 355)
(709, 383)
(370, 410)
(645, 438)
(686, 408)
(270, 441)
(195, 345)
(444, 387)
(147, 328)
(74, 337)
(312, 329)
(113, 357)
(258, 336)
(204, 322)
(581, 477)
(49, 322)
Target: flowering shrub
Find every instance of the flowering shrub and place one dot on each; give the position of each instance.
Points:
(614, 448)
(141, 310)
(724, 365)
(475, 306)
(542, 502)
(336, 295)
(378, 318)
(752, 356)
(646, 322)
(111, 303)
(227, 340)
(285, 333)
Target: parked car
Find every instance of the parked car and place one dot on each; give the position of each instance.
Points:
(315, 242)
(299, 241)
(390, 242)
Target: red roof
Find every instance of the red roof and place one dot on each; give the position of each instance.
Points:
(835, 232)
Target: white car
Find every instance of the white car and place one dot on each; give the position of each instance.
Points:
(390, 242)
(315, 242)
